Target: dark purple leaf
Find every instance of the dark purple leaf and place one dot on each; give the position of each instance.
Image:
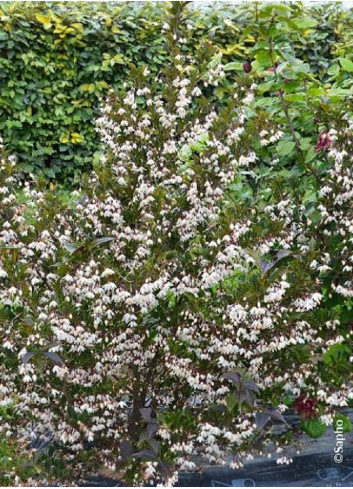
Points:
(282, 254)
(145, 453)
(70, 247)
(54, 357)
(26, 357)
(264, 417)
(275, 414)
(150, 430)
(250, 384)
(165, 470)
(125, 448)
(155, 445)
(261, 420)
(146, 414)
(243, 396)
(144, 435)
(28, 320)
(266, 266)
(100, 241)
(219, 407)
(83, 200)
(232, 376)
(249, 397)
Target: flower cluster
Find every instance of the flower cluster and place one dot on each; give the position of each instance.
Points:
(306, 406)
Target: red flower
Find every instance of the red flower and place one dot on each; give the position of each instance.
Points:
(324, 141)
(247, 67)
(306, 406)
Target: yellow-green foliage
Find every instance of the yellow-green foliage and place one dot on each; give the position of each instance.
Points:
(58, 59)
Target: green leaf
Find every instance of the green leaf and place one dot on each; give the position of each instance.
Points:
(88, 87)
(333, 70)
(310, 155)
(233, 66)
(201, 145)
(342, 423)
(185, 153)
(305, 143)
(274, 7)
(266, 86)
(45, 20)
(215, 61)
(313, 427)
(285, 147)
(305, 23)
(347, 64)
(337, 93)
(263, 57)
(231, 402)
(295, 97)
(310, 197)
(315, 92)
(337, 353)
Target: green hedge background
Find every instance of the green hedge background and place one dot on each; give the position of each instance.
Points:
(58, 59)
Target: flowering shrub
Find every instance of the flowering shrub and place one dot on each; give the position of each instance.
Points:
(192, 293)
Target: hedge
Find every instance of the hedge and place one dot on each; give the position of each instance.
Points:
(58, 59)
